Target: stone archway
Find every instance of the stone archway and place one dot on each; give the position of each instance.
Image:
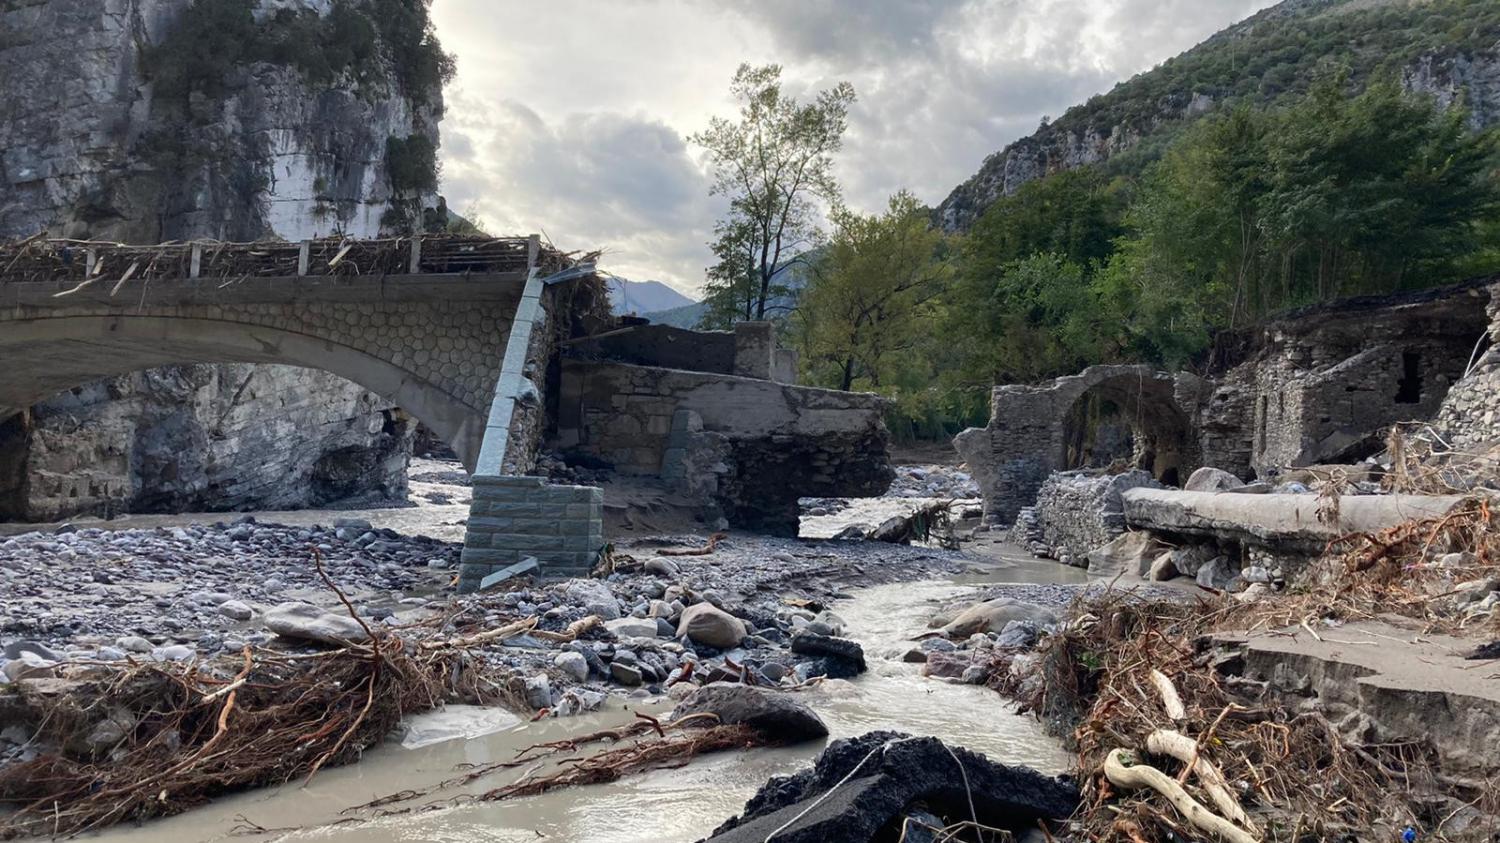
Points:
(1128, 420)
(47, 356)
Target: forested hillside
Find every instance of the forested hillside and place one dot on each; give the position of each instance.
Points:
(1442, 47)
(1335, 149)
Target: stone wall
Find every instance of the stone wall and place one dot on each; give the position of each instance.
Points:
(169, 440)
(1078, 511)
(512, 518)
(1325, 385)
(1469, 418)
(754, 445)
(1036, 430)
(662, 345)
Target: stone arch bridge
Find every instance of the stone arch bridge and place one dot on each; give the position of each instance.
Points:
(425, 323)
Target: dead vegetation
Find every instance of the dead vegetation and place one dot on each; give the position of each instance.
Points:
(87, 262)
(132, 741)
(1172, 747)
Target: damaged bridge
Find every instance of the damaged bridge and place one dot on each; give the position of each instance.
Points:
(500, 346)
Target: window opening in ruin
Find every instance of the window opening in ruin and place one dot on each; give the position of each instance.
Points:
(1409, 387)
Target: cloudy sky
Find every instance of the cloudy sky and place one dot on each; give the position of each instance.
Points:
(570, 116)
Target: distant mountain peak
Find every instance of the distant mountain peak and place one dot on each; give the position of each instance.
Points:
(641, 297)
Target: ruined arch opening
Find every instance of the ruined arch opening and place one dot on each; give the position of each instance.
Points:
(1127, 422)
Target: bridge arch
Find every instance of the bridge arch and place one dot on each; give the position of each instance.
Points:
(48, 355)
(1128, 417)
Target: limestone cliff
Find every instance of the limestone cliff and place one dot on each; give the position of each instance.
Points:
(192, 438)
(1447, 48)
(125, 120)
(153, 120)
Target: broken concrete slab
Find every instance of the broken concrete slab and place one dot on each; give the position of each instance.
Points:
(1406, 684)
(525, 566)
(1290, 522)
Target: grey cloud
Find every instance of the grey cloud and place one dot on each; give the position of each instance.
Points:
(598, 180)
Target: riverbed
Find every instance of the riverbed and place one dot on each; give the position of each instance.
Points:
(663, 806)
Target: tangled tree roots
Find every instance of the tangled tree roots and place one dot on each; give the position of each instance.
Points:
(137, 741)
(1130, 675)
(187, 733)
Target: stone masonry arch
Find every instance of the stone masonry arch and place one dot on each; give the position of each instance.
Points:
(1151, 431)
(1034, 430)
(47, 356)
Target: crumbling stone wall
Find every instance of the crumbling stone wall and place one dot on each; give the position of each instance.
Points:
(172, 439)
(1078, 511)
(1032, 426)
(1327, 383)
(755, 446)
(1469, 417)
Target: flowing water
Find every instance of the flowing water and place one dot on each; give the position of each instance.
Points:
(663, 806)
(657, 807)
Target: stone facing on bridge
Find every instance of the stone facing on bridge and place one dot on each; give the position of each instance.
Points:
(512, 518)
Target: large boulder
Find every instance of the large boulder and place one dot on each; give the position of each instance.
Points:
(306, 622)
(879, 777)
(1209, 479)
(594, 596)
(774, 714)
(1129, 553)
(993, 615)
(707, 624)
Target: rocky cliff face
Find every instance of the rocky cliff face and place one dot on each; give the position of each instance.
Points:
(91, 148)
(1273, 53)
(194, 438)
(153, 120)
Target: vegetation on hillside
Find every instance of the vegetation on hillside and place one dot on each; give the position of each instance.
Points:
(1343, 190)
(357, 44)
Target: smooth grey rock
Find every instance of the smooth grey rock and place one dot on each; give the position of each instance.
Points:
(572, 664)
(625, 674)
(707, 624)
(306, 622)
(15, 649)
(1210, 479)
(236, 610)
(134, 644)
(632, 627)
(538, 691)
(995, 614)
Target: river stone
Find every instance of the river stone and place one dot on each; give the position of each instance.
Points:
(16, 649)
(1217, 573)
(859, 786)
(573, 664)
(538, 691)
(594, 596)
(776, 715)
(1128, 553)
(1210, 479)
(134, 644)
(625, 674)
(632, 627)
(707, 624)
(28, 666)
(659, 567)
(995, 614)
(236, 610)
(306, 622)
(841, 657)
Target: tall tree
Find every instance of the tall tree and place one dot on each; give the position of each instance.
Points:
(771, 163)
(865, 307)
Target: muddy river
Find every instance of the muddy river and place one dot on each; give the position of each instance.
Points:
(663, 806)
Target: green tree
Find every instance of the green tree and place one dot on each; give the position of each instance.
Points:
(866, 307)
(771, 164)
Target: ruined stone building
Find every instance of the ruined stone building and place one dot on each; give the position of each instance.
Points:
(1319, 385)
